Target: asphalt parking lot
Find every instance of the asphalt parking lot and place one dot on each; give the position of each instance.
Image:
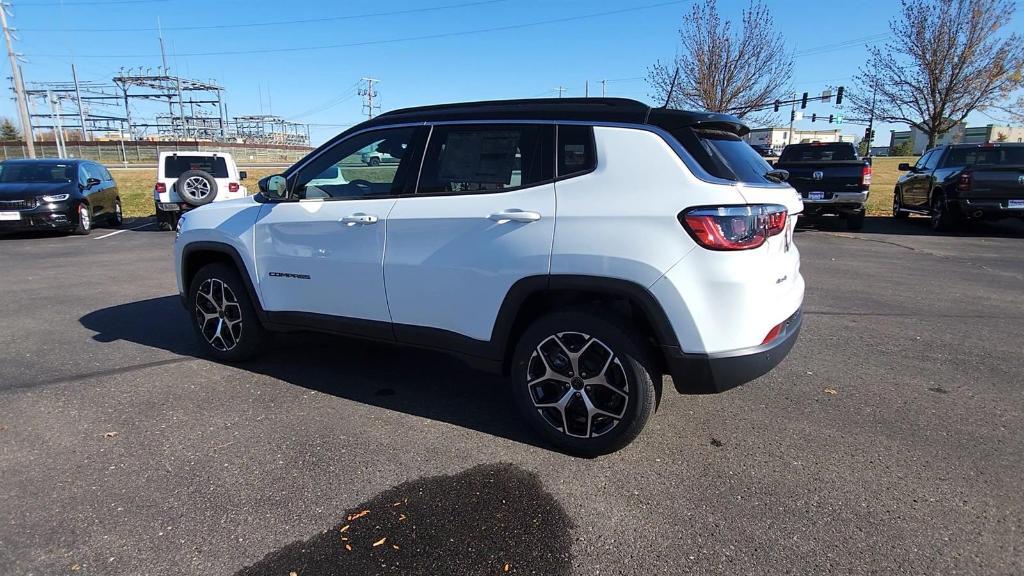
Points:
(889, 441)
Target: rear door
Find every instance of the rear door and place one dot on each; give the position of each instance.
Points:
(324, 254)
(482, 218)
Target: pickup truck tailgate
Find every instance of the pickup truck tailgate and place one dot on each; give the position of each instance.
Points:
(996, 183)
(824, 176)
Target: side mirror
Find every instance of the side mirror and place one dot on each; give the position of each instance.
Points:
(274, 187)
(242, 175)
(904, 167)
(91, 182)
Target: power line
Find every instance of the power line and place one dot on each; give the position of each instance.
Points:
(91, 3)
(278, 22)
(395, 40)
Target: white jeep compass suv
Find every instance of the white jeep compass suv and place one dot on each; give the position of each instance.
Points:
(582, 247)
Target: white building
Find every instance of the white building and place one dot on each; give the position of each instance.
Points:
(778, 138)
(959, 135)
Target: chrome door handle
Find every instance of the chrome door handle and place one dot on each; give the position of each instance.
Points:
(360, 218)
(515, 215)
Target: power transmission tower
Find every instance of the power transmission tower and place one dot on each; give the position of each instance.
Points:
(369, 94)
(19, 86)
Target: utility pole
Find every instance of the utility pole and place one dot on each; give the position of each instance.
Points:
(560, 90)
(586, 89)
(604, 83)
(671, 88)
(369, 94)
(19, 87)
(78, 102)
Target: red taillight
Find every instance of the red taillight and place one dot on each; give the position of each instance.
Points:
(232, 186)
(161, 188)
(735, 227)
(965, 182)
(773, 333)
(865, 176)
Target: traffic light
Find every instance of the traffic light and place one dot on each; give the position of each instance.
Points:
(777, 105)
(869, 134)
(839, 96)
(830, 118)
(803, 101)
(792, 116)
(814, 117)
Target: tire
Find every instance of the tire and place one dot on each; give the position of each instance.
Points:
(374, 161)
(84, 225)
(625, 390)
(897, 206)
(196, 188)
(855, 220)
(167, 220)
(117, 218)
(942, 218)
(218, 301)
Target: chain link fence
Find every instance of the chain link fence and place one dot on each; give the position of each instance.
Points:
(135, 152)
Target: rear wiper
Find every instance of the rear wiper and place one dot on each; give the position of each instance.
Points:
(777, 175)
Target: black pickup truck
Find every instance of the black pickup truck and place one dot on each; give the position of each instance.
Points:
(830, 177)
(960, 182)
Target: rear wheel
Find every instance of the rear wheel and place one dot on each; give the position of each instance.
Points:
(374, 161)
(223, 315)
(583, 383)
(943, 219)
(855, 220)
(84, 225)
(117, 218)
(897, 205)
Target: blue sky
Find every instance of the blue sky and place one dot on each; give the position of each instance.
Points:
(484, 49)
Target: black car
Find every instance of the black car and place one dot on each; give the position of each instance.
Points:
(764, 151)
(57, 194)
(960, 182)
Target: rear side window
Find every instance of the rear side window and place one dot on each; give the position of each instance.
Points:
(991, 156)
(467, 159)
(215, 166)
(818, 153)
(726, 155)
(576, 154)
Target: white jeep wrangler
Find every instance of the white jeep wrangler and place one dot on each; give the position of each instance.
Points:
(187, 180)
(582, 247)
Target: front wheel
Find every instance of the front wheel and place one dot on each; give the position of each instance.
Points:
(897, 206)
(583, 383)
(374, 161)
(84, 225)
(223, 315)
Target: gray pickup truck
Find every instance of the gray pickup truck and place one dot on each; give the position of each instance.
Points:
(830, 177)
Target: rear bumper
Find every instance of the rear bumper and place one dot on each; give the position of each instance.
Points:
(987, 208)
(834, 202)
(713, 373)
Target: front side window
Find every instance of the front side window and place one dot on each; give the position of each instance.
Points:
(933, 160)
(372, 164)
(467, 159)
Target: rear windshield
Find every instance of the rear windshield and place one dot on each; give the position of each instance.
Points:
(37, 172)
(175, 166)
(994, 156)
(726, 155)
(818, 152)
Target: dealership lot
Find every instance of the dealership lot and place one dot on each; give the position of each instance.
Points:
(889, 441)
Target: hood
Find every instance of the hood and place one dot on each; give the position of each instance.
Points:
(24, 190)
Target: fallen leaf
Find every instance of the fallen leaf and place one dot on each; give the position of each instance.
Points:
(110, 434)
(506, 567)
(399, 503)
(343, 528)
(344, 539)
(831, 391)
(348, 547)
(293, 573)
(395, 546)
(401, 516)
(352, 517)
(381, 541)
(75, 567)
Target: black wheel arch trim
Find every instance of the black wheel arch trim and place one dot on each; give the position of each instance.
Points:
(193, 248)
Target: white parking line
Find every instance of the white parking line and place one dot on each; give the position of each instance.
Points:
(123, 230)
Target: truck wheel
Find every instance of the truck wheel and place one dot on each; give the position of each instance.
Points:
(374, 161)
(196, 188)
(855, 220)
(222, 314)
(897, 205)
(943, 218)
(585, 384)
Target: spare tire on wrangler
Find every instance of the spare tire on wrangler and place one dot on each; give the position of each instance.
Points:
(196, 187)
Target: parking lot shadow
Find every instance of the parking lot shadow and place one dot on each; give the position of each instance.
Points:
(915, 226)
(490, 519)
(419, 382)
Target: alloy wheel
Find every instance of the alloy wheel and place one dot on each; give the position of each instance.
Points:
(577, 384)
(83, 217)
(218, 314)
(197, 187)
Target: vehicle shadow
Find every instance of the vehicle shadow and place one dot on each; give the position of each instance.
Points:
(413, 381)
(914, 226)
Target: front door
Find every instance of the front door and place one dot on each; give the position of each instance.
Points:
(482, 218)
(323, 254)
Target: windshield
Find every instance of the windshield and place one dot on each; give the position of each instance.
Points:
(215, 166)
(42, 172)
(994, 156)
(818, 153)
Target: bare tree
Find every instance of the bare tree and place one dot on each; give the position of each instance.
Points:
(721, 70)
(946, 60)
